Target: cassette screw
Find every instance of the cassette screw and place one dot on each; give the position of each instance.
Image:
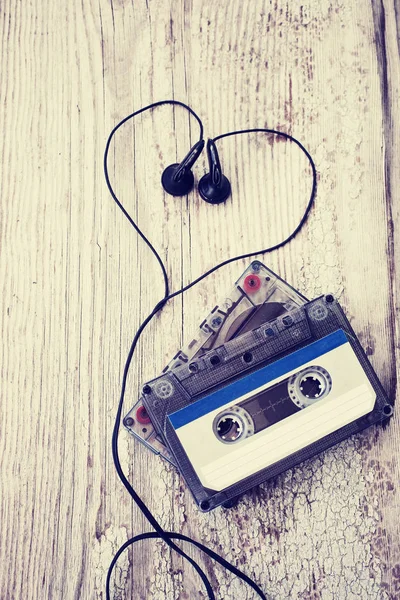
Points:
(387, 410)
(256, 266)
(129, 421)
(216, 322)
(287, 321)
(247, 357)
(146, 389)
(193, 368)
(329, 298)
(204, 505)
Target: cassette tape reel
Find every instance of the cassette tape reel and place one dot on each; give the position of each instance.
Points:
(258, 296)
(265, 401)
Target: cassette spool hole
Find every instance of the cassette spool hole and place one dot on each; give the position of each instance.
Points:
(309, 385)
(229, 428)
(312, 386)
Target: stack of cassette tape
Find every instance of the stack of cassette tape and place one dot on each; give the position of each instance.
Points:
(269, 380)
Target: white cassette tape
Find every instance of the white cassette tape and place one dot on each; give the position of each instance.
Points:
(265, 401)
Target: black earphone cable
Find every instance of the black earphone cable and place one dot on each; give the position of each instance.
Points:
(159, 531)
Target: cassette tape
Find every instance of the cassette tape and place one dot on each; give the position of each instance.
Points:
(265, 401)
(258, 296)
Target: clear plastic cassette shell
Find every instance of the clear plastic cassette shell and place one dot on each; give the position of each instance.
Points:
(258, 296)
(260, 404)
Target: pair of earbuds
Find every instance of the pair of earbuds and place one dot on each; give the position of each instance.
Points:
(214, 187)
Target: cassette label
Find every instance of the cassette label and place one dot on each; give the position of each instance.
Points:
(270, 416)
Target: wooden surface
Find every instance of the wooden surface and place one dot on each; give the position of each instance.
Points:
(75, 280)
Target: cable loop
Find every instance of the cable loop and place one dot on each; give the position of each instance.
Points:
(159, 532)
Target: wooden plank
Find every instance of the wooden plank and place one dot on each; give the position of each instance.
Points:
(76, 281)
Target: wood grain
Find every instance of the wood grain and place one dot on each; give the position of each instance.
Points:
(76, 281)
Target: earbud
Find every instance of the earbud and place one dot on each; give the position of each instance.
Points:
(214, 187)
(178, 179)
